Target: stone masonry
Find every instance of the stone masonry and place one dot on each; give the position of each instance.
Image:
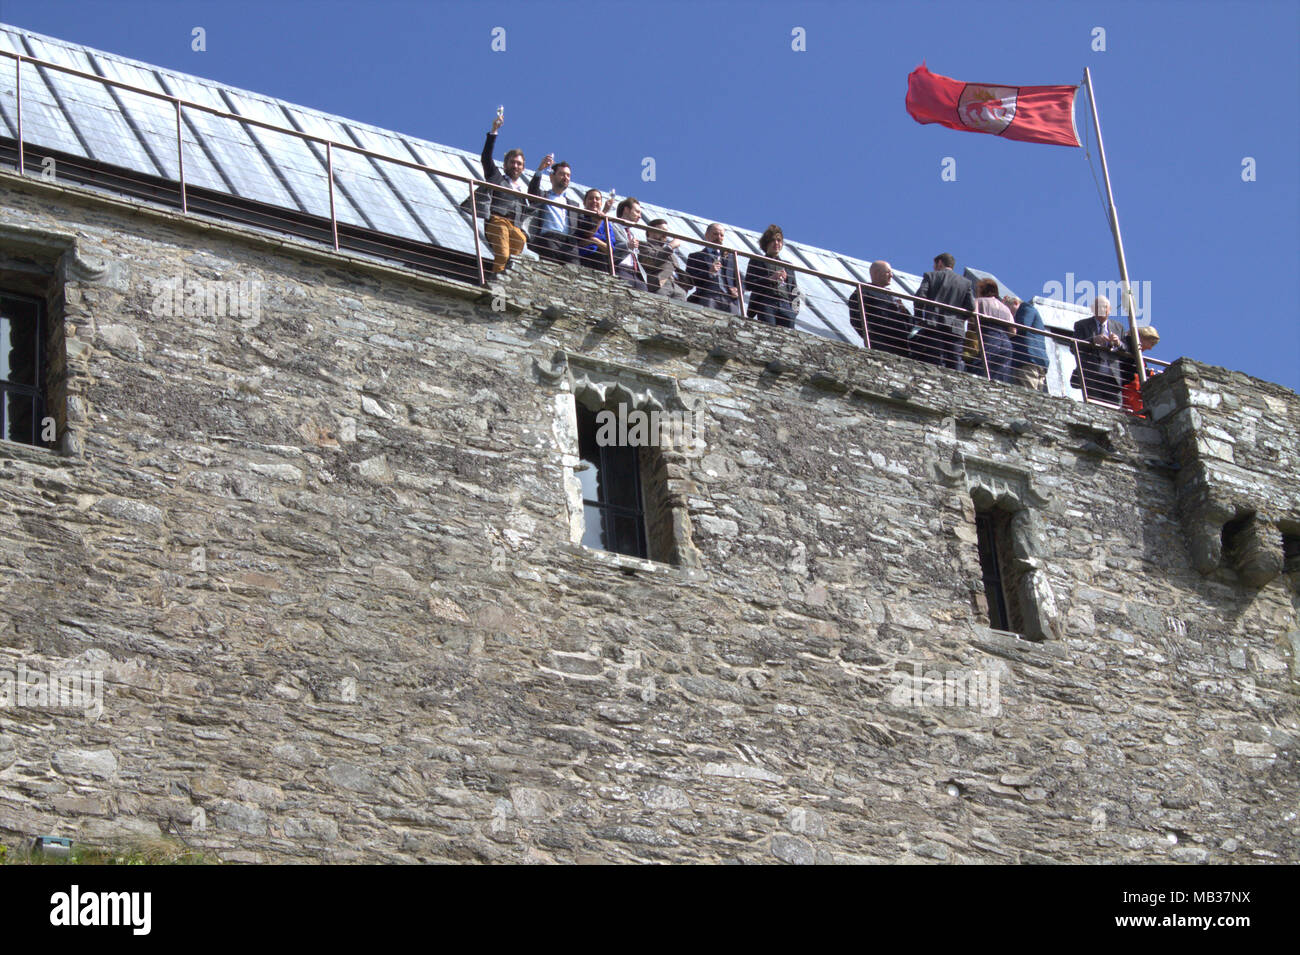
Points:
(312, 519)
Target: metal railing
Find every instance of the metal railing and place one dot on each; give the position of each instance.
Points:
(390, 224)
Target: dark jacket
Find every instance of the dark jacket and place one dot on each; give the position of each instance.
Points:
(662, 275)
(711, 289)
(887, 320)
(1103, 366)
(770, 300)
(948, 288)
(507, 203)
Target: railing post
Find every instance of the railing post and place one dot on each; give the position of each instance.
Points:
(862, 312)
(1078, 363)
(329, 162)
(18, 95)
(740, 285)
(473, 222)
(979, 332)
(180, 158)
(609, 236)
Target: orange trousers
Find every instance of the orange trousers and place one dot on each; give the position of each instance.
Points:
(506, 240)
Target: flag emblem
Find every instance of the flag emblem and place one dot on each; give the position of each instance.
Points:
(989, 109)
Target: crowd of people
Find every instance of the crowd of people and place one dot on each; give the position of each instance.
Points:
(1008, 344)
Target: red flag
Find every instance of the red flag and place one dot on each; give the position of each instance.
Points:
(1032, 114)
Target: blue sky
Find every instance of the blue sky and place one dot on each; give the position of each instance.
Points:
(747, 130)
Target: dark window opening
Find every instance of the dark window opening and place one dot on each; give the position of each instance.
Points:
(612, 501)
(1291, 552)
(22, 371)
(993, 539)
(1234, 536)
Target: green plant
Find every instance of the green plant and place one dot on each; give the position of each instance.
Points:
(139, 852)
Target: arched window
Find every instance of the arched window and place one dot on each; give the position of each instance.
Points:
(628, 443)
(610, 472)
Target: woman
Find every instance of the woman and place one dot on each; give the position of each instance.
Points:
(1131, 394)
(774, 291)
(997, 333)
(592, 237)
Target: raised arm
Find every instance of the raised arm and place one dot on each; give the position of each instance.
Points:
(489, 164)
(535, 185)
(489, 144)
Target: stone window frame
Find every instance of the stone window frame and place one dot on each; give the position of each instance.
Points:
(47, 265)
(1011, 496)
(35, 393)
(1253, 545)
(664, 467)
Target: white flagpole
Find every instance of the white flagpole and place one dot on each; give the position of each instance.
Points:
(1119, 243)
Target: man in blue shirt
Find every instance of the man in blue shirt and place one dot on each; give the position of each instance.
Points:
(555, 227)
(1029, 348)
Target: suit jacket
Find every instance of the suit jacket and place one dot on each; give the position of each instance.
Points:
(887, 319)
(711, 289)
(1106, 363)
(508, 203)
(661, 272)
(623, 247)
(541, 209)
(949, 288)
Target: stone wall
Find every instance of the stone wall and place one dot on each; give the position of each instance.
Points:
(320, 544)
(1235, 443)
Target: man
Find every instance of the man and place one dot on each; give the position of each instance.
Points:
(593, 240)
(888, 326)
(1103, 356)
(504, 227)
(662, 275)
(555, 227)
(628, 267)
(943, 330)
(1029, 349)
(713, 273)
